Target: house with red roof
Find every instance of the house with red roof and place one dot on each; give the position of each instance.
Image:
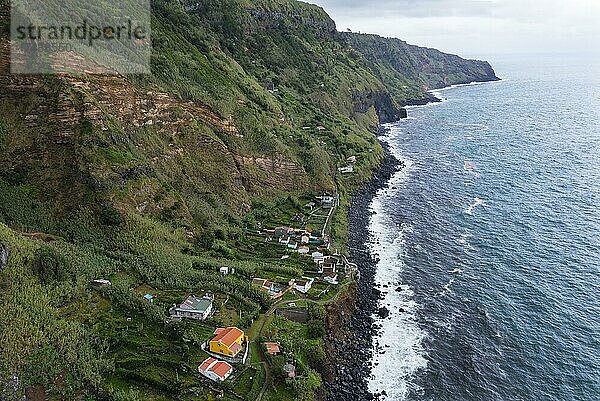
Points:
(215, 370)
(273, 348)
(227, 341)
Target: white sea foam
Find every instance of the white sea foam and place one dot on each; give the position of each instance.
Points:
(438, 92)
(472, 127)
(446, 289)
(463, 239)
(476, 202)
(470, 166)
(397, 349)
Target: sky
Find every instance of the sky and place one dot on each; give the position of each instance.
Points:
(476, 27)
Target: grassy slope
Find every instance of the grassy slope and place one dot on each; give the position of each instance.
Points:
(159, 207)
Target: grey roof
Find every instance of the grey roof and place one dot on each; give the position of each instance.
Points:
(195, 304)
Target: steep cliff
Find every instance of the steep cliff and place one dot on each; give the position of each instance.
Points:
(154, 181)
(408, 71)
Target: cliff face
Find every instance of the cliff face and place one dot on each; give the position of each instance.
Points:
(408, 71)
(243, 77)
(250, 104)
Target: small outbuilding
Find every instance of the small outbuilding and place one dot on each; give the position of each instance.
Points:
(100, 283)
(215, 370)
(273, 348)
(290, 370)
(303, 286)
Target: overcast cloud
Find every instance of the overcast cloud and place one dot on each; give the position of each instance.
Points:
(477, 27)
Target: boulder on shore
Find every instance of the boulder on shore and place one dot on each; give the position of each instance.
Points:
(383, 312)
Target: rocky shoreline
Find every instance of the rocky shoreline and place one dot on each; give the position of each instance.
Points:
(350, 345)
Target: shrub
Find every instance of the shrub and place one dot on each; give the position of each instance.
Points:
(316, 329)
(110, 216)
(49, 265)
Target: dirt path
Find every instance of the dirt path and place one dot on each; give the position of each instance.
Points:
(258, 327)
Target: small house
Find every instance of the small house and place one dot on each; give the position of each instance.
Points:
(303, 286)
(303, 250)
(271, 288)
(305, 239)
(215, 370)
(327, 200)
(270, 87)
(194, 308)
(318, 257)
(329, 264)
(149, 298)
(283, 232)
(328, 270)
(224, 270)
(347, 169)
(227, 341)
(316, 241)
(259, 281)
(292, 245)
(273, 348)
(331, 278)
(100, 283)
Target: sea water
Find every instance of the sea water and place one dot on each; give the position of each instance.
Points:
(488, 241)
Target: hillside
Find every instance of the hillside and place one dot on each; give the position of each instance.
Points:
(157, 181)
(410, 71)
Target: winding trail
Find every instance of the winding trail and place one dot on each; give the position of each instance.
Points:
(260, 323)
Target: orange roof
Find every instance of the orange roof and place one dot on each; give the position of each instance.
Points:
(228, 336)
(221, 368)
(272, 348)
(206, 364)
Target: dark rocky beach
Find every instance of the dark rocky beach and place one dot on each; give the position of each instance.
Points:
(351, 325)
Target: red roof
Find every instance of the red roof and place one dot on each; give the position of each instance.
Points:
(221, 369)
(272, 348)
(205, 365)
(228, 336)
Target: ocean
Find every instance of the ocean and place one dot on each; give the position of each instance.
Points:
(488, 241)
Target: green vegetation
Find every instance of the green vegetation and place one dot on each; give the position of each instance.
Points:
(401, 66)
(155, 182)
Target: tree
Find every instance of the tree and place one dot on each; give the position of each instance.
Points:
(305, 385)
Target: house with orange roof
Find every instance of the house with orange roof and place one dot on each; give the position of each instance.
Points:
(215, 370)
(227, 341)
(273, 348)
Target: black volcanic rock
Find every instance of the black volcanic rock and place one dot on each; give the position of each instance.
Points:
(383, 312)
(353, 357)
